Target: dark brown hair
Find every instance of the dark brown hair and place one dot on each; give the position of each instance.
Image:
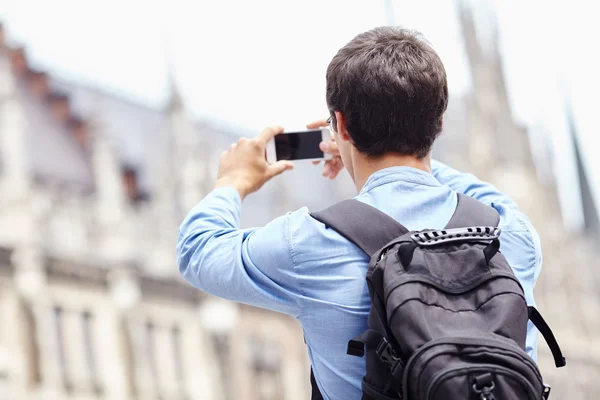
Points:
(391, 86)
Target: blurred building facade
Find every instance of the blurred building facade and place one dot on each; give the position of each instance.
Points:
(93, 188)
(496, 149)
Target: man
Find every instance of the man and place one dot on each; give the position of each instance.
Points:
(387, 92)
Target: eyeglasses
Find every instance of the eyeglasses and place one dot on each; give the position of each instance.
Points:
(330, 122)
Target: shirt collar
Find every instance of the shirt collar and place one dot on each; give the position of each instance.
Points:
(402, 174)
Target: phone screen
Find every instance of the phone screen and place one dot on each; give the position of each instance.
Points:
(298, 145)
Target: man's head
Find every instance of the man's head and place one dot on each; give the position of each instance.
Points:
(387, 92)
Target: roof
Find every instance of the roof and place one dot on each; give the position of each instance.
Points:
(140, 134)
(54, 155)
(136, 130)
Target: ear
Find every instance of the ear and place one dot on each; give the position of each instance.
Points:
(342, 126)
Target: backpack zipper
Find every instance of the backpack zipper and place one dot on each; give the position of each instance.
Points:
(465, 341)
(438, 378)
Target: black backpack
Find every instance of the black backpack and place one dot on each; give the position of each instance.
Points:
(448, 317)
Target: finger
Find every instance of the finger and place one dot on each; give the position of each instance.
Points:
(279, 167)
(317, 124)
(316, 162)
(330, 147)
(327, 169)
(338, 164)
(334, 175)
(335, 166)
(269, 133)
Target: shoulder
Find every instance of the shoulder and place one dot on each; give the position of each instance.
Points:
(301, 225)
(297, 231)
(519, 240)
(307, 236)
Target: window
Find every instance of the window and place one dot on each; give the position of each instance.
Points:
(265, 364)
(159, 358)
(33, 354)
(3, 347)
(222, 350)
(60, 347)
(177, 361)
(151, 354)
(75, 351)
(87, 322)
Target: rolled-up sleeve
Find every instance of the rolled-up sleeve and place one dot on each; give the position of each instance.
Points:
(250, 266)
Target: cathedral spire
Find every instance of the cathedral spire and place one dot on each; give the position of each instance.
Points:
(175, 101)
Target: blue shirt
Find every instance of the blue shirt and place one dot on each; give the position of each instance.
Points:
(295, 266)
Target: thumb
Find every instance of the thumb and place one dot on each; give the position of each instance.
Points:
(279, 167)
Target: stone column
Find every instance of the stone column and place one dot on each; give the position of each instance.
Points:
(109, 188)
(125, 293)
(193, 181)
(75, 351)
(19, 226)
(16, 347)
(167, 379)
(13, 157)
(295, 371)
(218, 318)
(15, 182)
(110, 200)
(31, 283)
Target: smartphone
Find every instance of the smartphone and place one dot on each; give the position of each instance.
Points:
(301, 145)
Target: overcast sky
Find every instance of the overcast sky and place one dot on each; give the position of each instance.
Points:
(261, 62)
(247, 62)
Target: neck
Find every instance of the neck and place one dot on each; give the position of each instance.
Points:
(364, 166)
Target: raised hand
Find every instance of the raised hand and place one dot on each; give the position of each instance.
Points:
(244, 165)
(333, 166)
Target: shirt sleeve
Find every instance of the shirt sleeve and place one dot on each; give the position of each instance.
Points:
(470, 185)
(251, 266)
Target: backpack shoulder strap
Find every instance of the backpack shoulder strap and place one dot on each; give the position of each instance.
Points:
(542, 326)
(363, 225)
(470, 212)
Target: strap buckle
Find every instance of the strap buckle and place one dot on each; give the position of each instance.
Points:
(546, 394)
(388, 356)
(484, 386)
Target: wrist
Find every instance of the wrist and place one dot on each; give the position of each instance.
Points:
(225, 182)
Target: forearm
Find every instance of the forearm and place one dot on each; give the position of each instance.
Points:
(250, 266)
(209, 236)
